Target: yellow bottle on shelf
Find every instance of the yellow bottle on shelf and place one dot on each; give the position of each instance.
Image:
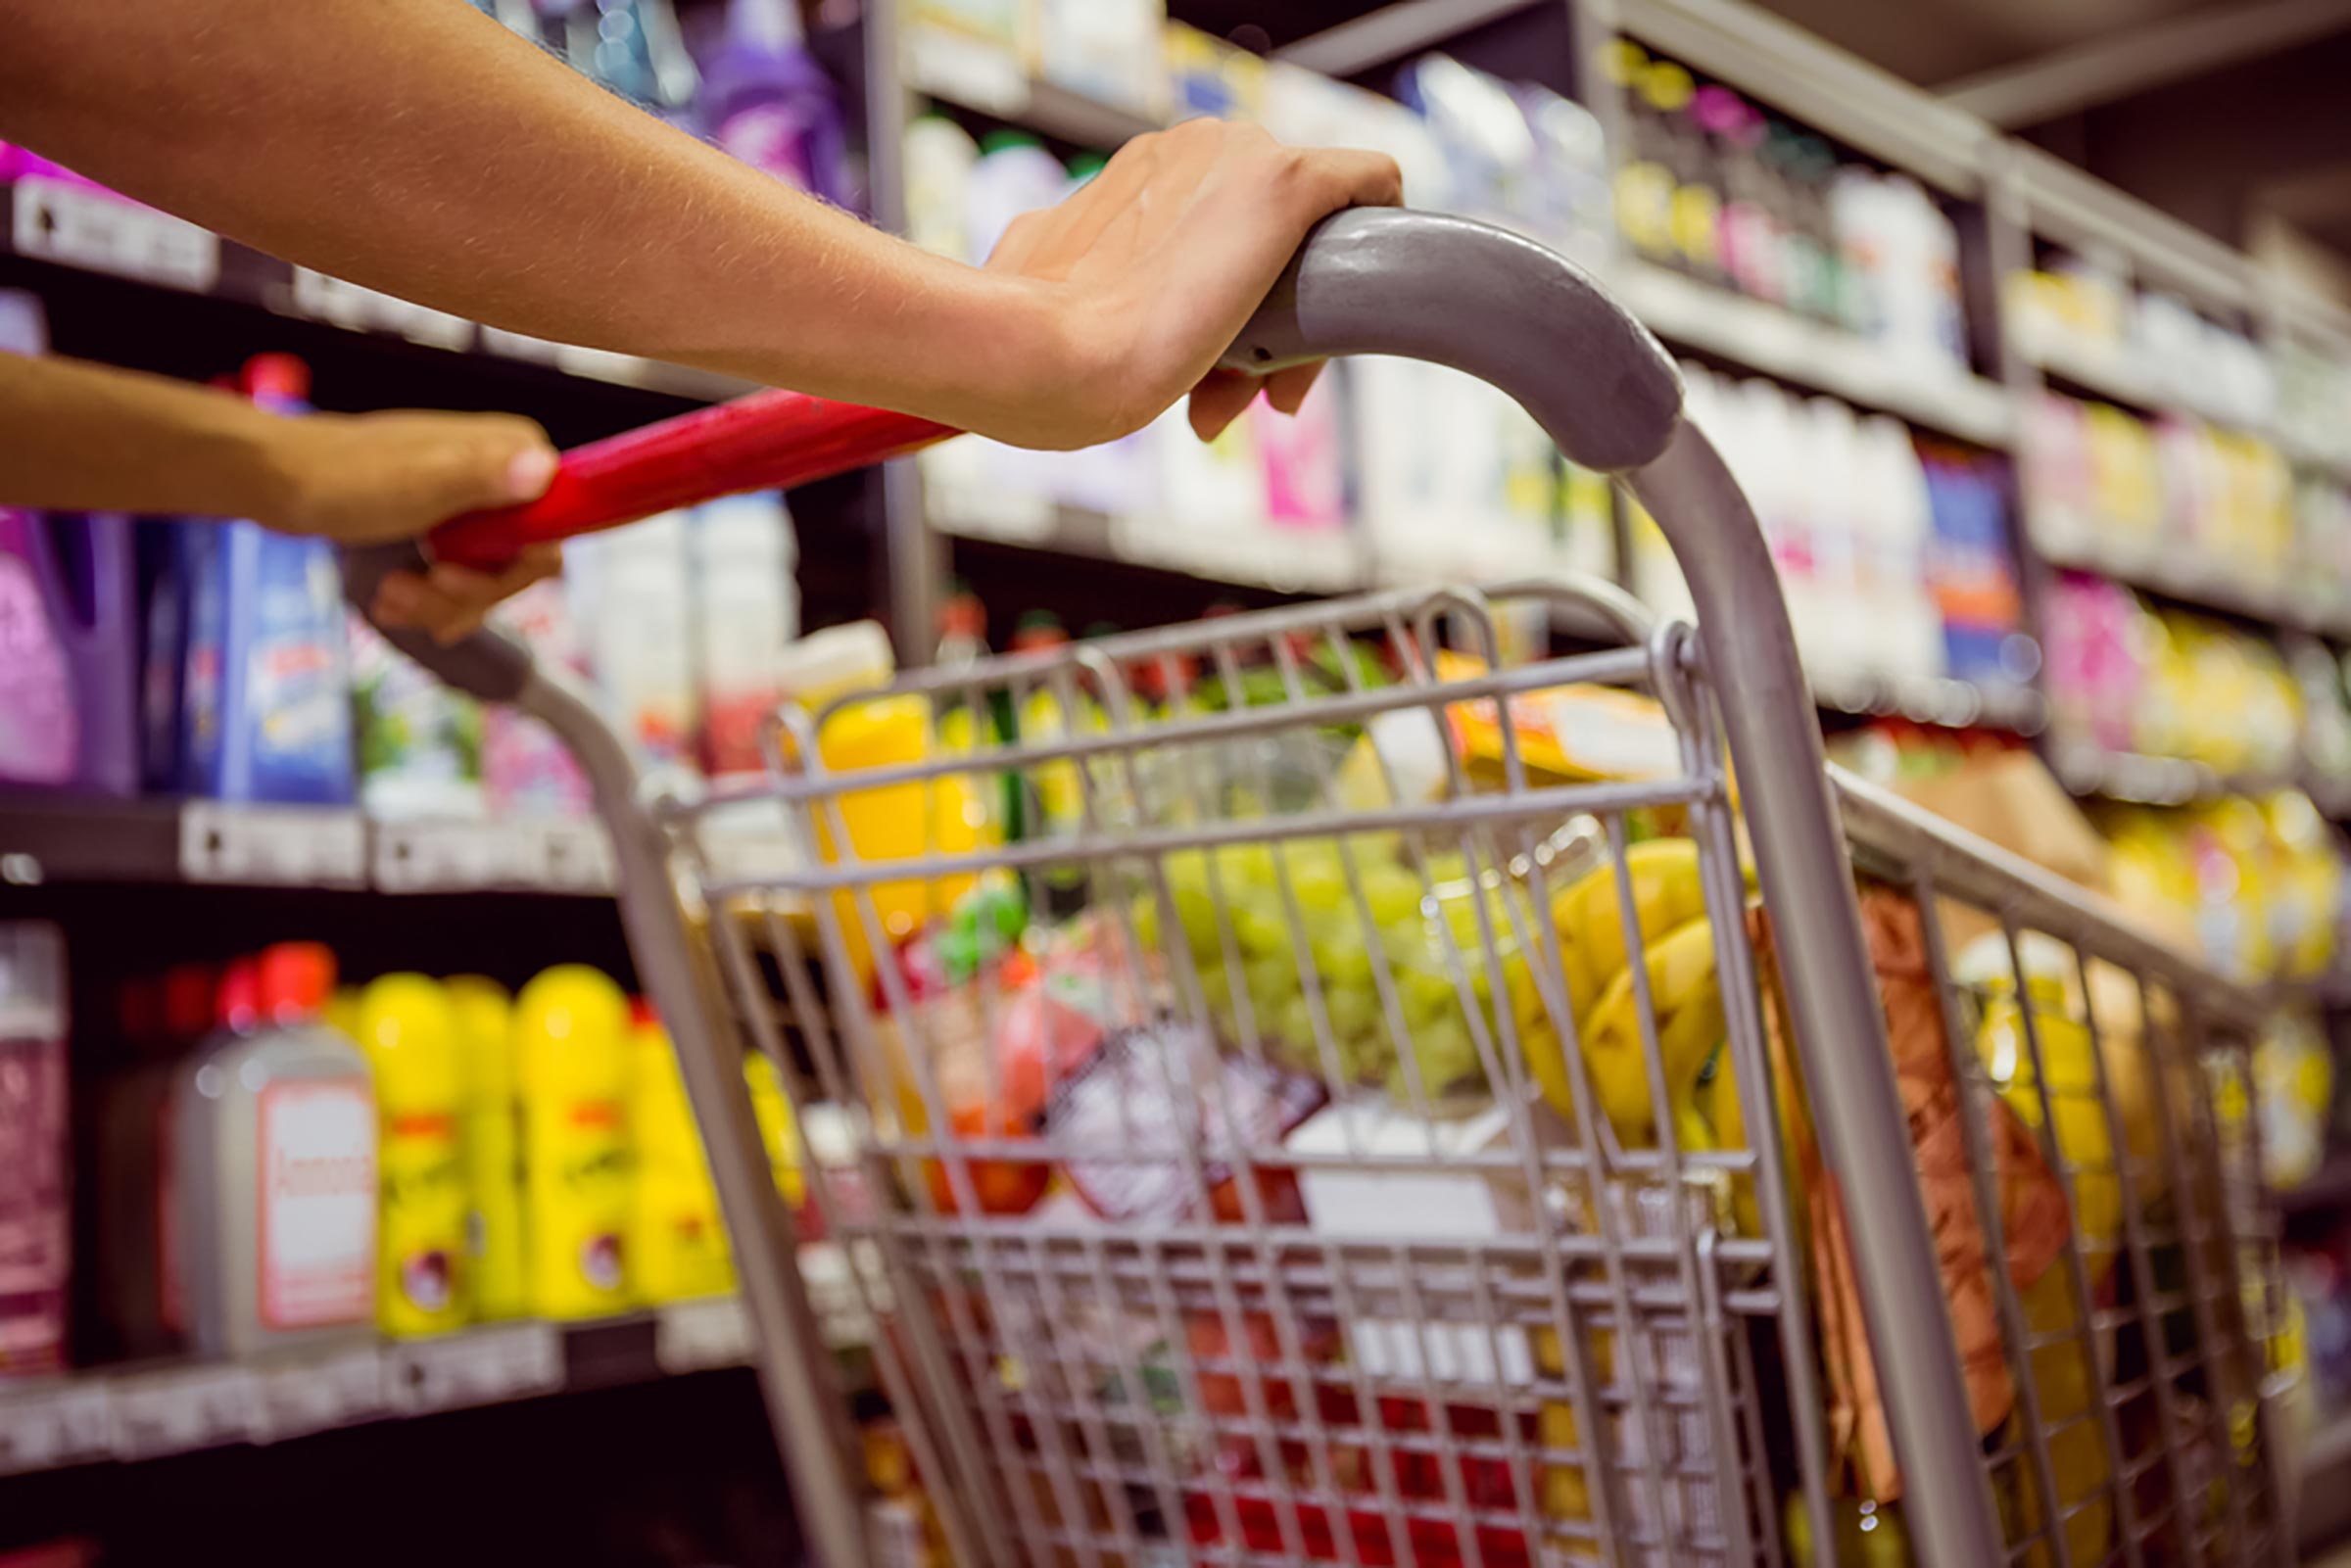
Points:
(492, 1146)
(773, 1108)
(677, 1243)
(410, 1036)
(571, 1062)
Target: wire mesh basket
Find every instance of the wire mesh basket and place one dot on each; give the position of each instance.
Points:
(1346, 1126)
(1318, 1089)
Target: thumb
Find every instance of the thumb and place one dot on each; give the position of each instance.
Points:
(509, 463)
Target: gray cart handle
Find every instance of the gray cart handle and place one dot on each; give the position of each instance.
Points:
(1513, 314)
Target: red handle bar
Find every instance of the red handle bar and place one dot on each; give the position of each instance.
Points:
(766, 441)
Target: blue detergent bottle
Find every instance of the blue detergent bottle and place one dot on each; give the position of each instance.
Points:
(265, 696)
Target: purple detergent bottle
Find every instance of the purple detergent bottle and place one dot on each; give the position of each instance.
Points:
(67, 646)
(770, 105)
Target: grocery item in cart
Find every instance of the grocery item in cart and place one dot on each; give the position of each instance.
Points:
(2033, 1211)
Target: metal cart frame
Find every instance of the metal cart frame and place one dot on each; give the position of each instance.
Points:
(1525, 321)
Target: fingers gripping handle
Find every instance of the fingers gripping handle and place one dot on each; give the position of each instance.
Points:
(1512, 313)
(485, 664)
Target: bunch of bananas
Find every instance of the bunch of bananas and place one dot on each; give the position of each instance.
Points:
(1677, 942)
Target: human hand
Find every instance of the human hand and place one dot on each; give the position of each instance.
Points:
(367, 478)
(1157, 262)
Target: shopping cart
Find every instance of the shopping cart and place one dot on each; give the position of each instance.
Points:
(1389, 1220)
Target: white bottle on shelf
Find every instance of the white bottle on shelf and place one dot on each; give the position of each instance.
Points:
(747, 611)
(1901, 621)
(273, 1170)
(634, 600)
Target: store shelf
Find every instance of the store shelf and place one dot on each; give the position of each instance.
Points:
(2121, 376)
(2066, 538)
(155, 1411)
(2137, 778)
(1928, 699)
(90, 231)
(958, 71)
(1788, 347)
(64, 838)
(1258, 557)
(1394, 33)
(2326, 1188)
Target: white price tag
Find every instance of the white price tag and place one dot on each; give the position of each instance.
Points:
(273, 846)
(480, 1367)
(458, 856)
(577, 856)
(696, 1336)
(971, 71)
(328, 299)
(182, 1410)
(103, 233)
(46, 1425)
(305, 1396)
(519, 346)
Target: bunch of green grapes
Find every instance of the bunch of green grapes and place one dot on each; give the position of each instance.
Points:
(1408, 925)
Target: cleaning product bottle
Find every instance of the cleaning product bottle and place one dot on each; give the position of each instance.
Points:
(572, 1066)
(67, 647)
(939, 156)
(769, 104)
(266, 709)
(638, 609)
(133, 1139)
(677, 1243)
(420, 740)
(35, 1214)
(493, 1138)
(742, 557)
(410, 1038)
(273, 1154)
(525, 770)
(1015, 174)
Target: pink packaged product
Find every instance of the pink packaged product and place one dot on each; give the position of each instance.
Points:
(36, 1215)
(2089, 636)
(525, 770)
(1306, 485)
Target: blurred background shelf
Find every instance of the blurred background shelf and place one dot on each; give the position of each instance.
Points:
(1777, 342)
(64, 839)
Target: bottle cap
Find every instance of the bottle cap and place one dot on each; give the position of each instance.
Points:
(963, 616)
(237, 1005)
(190, 997)
(997, 141)
(277, 378)
(295, 981)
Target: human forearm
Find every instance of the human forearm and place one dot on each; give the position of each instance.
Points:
(418, 147)
(81, 437)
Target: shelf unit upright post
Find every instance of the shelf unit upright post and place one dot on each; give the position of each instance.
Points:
(913, 554)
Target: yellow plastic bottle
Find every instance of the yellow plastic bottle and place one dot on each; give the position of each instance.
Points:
(677, 1244)
(410, 1036)
(571, 1061)
(887, 822)
(777, 1130)
(492, 1146)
